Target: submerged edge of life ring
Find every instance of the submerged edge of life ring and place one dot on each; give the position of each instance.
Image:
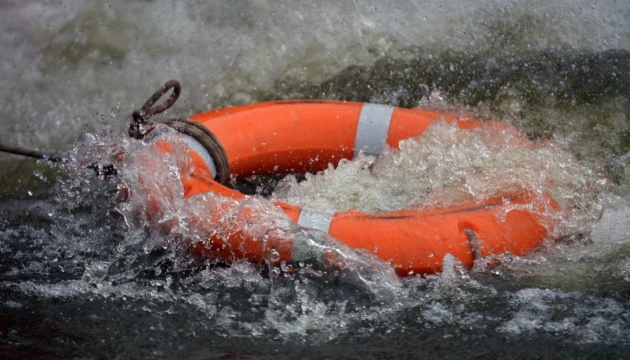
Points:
(305, 136)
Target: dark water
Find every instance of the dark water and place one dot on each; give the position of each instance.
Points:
(75, 282)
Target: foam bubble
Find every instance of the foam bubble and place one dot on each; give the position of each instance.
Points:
(565, 314)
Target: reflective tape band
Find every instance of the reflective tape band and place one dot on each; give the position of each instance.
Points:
(316, 219)
(196, 146)
(372, 129)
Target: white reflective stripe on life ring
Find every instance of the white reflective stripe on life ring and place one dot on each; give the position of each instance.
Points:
(372, 129)
(316, 219)
(202, 152)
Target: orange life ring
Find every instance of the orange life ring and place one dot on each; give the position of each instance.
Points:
(305, 136)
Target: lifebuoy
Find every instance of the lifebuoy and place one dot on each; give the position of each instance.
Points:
(305, 136)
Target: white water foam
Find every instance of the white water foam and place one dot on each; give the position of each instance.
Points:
(156, 207)
(538, 313)
(75, 65)
(448, 166)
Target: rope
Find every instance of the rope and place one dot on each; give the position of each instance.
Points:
(16, 150)
(140, 126)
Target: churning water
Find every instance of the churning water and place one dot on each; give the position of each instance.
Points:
(82, 277)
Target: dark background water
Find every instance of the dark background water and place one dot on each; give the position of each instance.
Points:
(75, 284)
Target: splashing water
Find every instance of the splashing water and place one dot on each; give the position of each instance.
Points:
(443, 167)
(448, 166)
(161, 219)
(77, 282)
(149, 267)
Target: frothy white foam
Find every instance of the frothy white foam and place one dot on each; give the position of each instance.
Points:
(447, 166)
(74, 65)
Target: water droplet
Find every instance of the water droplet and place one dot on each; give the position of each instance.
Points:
(274, 256)
(40, 176)
(288, 268)
(315, 271)
(275, 272)
(173, 171)
(114, 111)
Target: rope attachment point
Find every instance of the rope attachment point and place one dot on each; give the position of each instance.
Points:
(140, 126)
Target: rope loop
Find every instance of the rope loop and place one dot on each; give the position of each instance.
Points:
(140, 126)
(147, 110)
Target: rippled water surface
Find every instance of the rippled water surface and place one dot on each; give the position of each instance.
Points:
(78, 281)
